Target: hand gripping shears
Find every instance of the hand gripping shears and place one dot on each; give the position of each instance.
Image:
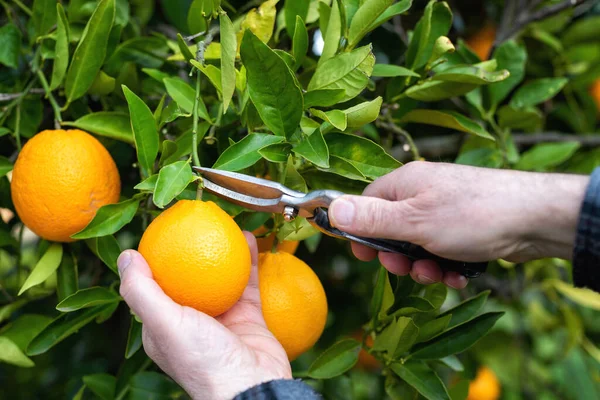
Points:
(263, 195)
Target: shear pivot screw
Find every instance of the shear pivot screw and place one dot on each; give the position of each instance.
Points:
(289, 213)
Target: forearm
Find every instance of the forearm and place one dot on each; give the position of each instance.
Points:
(552, 215)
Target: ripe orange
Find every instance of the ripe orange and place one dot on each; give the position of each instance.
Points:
(198, 256)
(485, 386)
(365, 360)
(595, 93)
(483, 40)
(266, 243)
(293, 301)
(59, 181)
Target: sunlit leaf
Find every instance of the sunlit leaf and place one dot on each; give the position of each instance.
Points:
(45, 267)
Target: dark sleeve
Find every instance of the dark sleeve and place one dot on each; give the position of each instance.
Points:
(586, 254)
(283, 389)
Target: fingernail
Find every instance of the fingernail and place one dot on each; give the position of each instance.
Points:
(343, 213)
(462, 282)
(425, 280)
(123, 261)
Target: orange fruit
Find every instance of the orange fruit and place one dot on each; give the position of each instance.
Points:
(266, 243)
(483, 40)
(485, 386)
(595, 93)
(293, 301)
(198, 256)
(59, 181)
(366, 361)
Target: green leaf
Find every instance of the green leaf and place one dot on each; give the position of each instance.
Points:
(278, 152)
(341, 167)
(388, 71)
(196, 16)
(286, 57)
(184, 95)
(109, 219)
(337, 118)
(336, 360)
(433, 328)
(457, 339)
(447, 119)
(396, 9)
(134, 338)
(483, 157)
(62, 327)
(332, 33)
(323, 97)
(44, 16)
(347, 71)
(67, 276)
(86, 298)
(272, 87)
(314, 149)
(466, 310)
(11, 353)
(7, 310)
(145, 131)
(44, 267)
(5, 166)
(545, 155)
(431, 90)
(23, 329)
(110, 124)
(102, 385)
(245, 153)
(172, 180)
(397, 389)
(147, 184)
(10, 37)
(300, 40)
(453, 362)
(90, 52)
(435, 22)
(298, 229)
(368, 157)
(108, 251)
(363, 113)
(422, 378)
(294, 9)
(474, 74)
(169, 148)
(293, 179)
(155, 74)
(378, 292)
(364, 18)
(149, 384)
(528, 119)
(582, 296)
(583, 30)
(537, 91)
(228, 52)
(397, 338)
(103, 85)
(184, 49)
(512, 57)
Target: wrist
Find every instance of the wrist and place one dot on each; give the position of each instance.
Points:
(554, 213)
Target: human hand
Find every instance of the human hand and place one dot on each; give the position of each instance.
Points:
(210, 358)
(463, 213)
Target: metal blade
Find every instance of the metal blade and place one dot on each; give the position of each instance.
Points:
(247, 191)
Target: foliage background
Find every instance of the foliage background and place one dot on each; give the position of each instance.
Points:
(542, 117)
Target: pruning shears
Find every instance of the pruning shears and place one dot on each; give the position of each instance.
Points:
(263, 195)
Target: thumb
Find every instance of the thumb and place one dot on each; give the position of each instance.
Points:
(371, 217)
(141, 292)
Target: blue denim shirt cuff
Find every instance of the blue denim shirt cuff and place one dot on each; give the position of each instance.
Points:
(586, 253)
(281, 389)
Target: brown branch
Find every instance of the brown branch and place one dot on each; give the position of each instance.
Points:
(437, 147)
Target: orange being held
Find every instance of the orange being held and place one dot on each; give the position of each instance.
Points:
(485, 386)
(483, 40)
(293, 301)
(59, 181)
(198, 256)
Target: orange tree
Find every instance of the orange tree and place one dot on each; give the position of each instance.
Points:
(313, 94)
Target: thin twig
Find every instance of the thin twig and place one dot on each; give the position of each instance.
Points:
(50, 96)
(390, 126)
(12, 96)
(23, 7)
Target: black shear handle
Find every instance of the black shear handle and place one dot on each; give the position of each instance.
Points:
(412, 251)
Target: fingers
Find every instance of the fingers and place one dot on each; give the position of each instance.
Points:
(141, 292)
(455, 280)
(253, 281)
(395, 263)
(372, 217)
(362, 252)
(426, 272)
